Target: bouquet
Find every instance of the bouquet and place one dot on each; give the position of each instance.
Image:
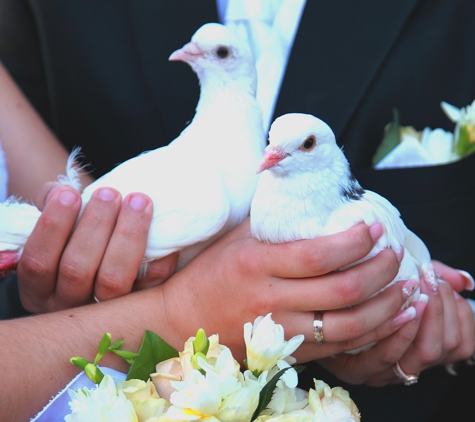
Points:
(404, 146)
(205, 383)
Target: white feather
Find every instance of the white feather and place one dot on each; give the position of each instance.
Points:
(202, 183)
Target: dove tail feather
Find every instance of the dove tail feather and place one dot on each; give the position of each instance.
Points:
(17, 220)
(73, 170)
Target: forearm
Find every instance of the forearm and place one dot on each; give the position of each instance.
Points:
(45, 343)
(34, 155)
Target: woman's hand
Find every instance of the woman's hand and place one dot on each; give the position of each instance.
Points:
(441, 333)
(239, 278)
(63, 266)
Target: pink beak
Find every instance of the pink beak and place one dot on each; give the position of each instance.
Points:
(187, 53)
(272, 156)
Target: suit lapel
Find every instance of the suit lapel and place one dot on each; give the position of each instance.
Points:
(336, 56)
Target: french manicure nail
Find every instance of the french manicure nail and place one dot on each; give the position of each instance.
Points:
(376, 231)
(432, 279)
(400, 254)
(410, 286)
(420, 305)
(404, 316)
(469, 282)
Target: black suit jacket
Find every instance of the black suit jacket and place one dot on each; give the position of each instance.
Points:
(98, 72)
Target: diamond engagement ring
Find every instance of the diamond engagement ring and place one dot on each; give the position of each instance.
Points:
(408, 379)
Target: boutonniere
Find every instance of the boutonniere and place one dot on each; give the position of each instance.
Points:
(404, 146)
(205, 383)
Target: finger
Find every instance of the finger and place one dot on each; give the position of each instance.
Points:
(467, 324)
(43, 193)
(458, 279)
(119, 269)
(83, 254)
(339, 289)
(428, 343)
(306, 258)
(37, 269)
(374, 366)
(158, 271)
(452, 329)
(351, 328)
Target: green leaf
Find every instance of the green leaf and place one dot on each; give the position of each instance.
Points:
(117, 345)
(125, 354)
(390, 140)
(465, 144)
(152, 351)
(80, 362)
(93, 373)
(265, 396)
(201, 342)
(103, 347)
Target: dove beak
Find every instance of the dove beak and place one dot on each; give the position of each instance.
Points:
(187, 53)
(272, 156)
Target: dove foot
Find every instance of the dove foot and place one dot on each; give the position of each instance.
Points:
(8, 262)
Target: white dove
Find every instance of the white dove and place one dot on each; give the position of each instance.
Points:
(309, 191)
(202, 183)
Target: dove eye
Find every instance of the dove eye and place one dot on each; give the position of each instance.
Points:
(308, 144)
(222, 52)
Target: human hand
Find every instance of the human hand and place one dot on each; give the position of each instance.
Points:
(62, 266)
(239, 278)
(441, 333)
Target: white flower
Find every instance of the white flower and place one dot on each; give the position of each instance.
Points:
(143, 396)
(297, 416)
(287, 399)
(166, 371)
(266, 346)
(439, 144)
(101, 404)
(331, 404)
(216, 396)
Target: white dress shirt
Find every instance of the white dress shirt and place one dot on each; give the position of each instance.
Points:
(270, 27)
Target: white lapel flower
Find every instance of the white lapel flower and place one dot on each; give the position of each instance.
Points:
(464, 119)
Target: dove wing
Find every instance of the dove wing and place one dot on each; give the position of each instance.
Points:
(190, 202)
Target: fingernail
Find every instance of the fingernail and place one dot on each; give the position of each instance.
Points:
(376, 231)
(66, 197)
(432, 279)
(138, 202)
(469, 282)
(404, 316)
(410, 287)
(399, 254)
(106, 194)
(420, 305)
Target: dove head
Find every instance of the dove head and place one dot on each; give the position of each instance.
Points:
(300, 141)
(219, 56)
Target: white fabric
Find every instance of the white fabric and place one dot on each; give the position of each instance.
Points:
(3, 176)
(270, 27)
(58, 407)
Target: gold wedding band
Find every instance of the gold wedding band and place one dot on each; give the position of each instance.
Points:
(408, 379)
(318, 327)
